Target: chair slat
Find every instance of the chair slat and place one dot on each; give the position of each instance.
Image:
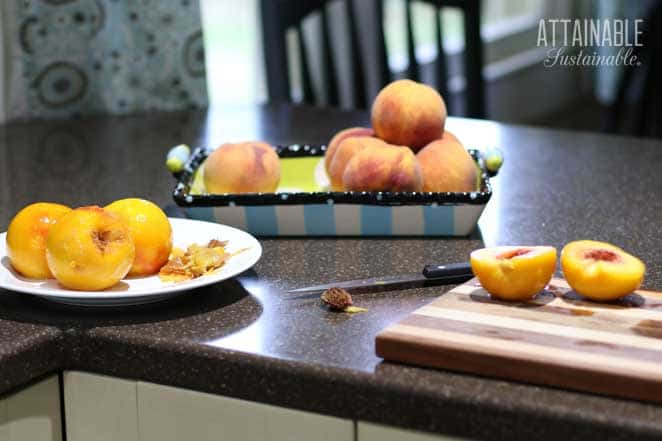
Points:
(440, 66)
(280, 15)
(358, 74)
(306, 81)
(413, 70)
(275, 53)
(384, 71)
(328, 63)
(648, 103)
(473, 60)
(291, 12)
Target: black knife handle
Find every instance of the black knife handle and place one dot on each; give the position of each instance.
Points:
(460, 272)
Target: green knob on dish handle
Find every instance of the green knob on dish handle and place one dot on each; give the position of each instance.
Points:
(177, 157)
(493, 158)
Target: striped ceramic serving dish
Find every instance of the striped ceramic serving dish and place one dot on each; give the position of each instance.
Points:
(290, 212)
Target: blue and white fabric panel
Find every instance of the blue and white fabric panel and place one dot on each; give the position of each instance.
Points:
(345, 220)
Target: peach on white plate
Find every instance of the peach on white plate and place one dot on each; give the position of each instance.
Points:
(138, 290)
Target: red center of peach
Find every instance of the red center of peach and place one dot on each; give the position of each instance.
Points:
(606, 255)
(513, 253)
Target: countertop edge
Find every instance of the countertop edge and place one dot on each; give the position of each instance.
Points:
(262, 379)
(31, 360)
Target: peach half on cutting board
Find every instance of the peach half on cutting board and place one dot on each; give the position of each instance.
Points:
(601, 271)
(515, 273)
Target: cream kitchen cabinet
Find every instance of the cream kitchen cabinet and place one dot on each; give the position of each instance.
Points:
(100, 408)
(376, 432)
(170, 414)
(33, 413)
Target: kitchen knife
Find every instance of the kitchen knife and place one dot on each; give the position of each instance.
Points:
(433, 274)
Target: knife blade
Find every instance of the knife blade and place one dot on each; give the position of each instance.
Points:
(440, 274)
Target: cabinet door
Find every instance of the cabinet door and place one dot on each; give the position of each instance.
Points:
(375, 432)
(4, 428)
(170, 414)
(33, 413)
(100, 408)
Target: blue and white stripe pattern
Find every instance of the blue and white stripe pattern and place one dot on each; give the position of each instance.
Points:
(345, 219)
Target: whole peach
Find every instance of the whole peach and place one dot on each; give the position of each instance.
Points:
(383, 168)
(339, 137)
(447, 166)
(245, 167)
(151, 233)
(26, 238)
(409, 113)
(89, 249)
(346, 150)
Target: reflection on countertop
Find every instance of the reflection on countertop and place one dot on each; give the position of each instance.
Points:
(249, 338)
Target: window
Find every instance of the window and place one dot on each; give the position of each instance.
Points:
(235, 72)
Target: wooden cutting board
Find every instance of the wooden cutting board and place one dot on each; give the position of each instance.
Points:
(557, 339)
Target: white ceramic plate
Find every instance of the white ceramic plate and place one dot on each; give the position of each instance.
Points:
(133, 291)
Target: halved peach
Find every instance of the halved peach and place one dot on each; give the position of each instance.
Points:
(514, 273)
(600, 271)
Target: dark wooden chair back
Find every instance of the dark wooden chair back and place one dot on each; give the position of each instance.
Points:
(642, 117)
(279, 16)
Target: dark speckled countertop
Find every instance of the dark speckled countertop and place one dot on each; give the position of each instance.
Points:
(249, 338)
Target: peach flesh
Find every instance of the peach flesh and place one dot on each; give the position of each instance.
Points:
(514, 273)
(101, 239)
(601, 271)
(151, 232)
(89, 249)
(26, 238)
(513, 253)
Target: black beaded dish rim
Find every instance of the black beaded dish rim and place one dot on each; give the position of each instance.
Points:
(183, 197)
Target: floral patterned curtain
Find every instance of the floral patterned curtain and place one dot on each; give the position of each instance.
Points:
(64, 58)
